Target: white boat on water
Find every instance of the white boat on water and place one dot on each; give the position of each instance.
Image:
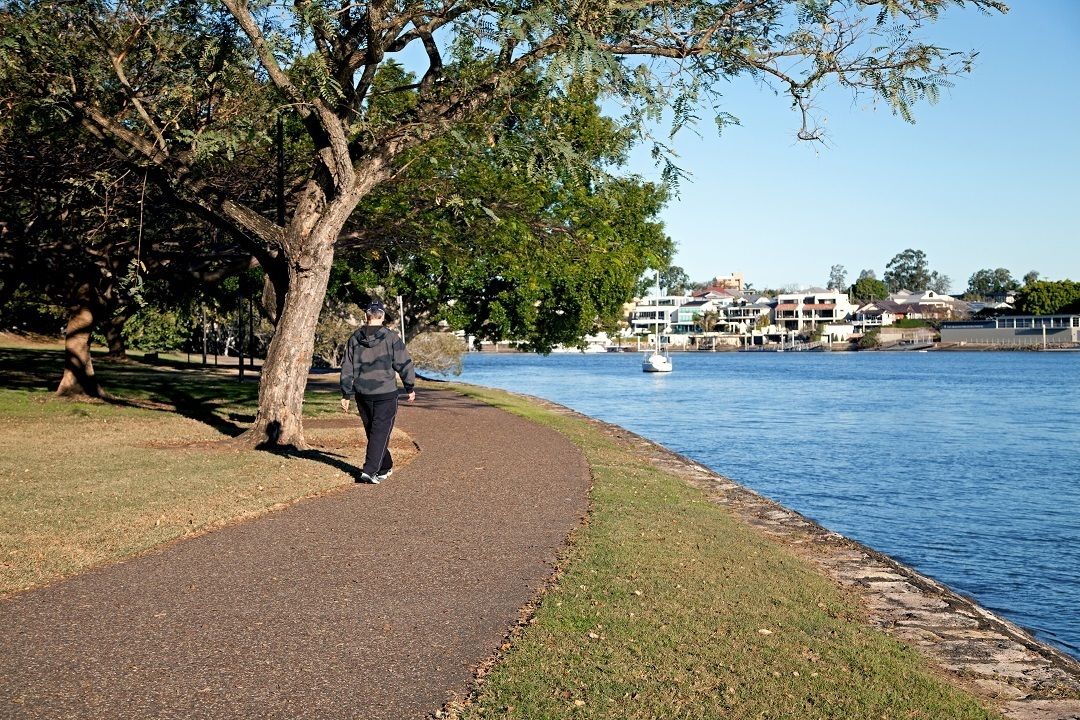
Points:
(656, 361)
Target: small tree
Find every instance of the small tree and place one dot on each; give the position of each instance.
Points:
(868, 289)
(871, 339)
(437, 352)
(939, 283)
(707, 320)
(837, 278)
(674, 280)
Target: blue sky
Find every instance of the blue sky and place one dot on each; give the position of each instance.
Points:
(988, 177)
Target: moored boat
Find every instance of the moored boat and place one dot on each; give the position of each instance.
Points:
(656, 361)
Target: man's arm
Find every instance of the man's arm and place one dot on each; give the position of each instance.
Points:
(348, 375)
(403, 366)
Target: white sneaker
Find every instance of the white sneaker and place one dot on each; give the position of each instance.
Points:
(382, 476)
(369, 479)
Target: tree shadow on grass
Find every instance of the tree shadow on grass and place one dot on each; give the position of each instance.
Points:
(222, 403)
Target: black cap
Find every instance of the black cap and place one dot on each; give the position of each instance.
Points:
(377, 307)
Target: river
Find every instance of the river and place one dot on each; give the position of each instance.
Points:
(965, 466)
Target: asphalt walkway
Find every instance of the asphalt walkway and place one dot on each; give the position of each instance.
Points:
(376, 602)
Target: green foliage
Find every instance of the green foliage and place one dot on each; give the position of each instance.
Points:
(909, 270)
(939, 283)
(837, 278)
(1048, 297)
(985, 283)
(707, 320)
(151, 328)
(908, 323)
(866, 289)
(870, 339)
(337, 322)
(674, 280)
(501, 252)
(24, 309)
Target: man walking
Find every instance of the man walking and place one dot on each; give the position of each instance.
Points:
(373, 355)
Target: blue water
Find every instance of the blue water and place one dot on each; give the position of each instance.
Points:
(965, 466)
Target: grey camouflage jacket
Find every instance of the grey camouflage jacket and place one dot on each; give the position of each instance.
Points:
(373, 355)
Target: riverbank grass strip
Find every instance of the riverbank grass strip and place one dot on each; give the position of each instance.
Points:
(670, 607)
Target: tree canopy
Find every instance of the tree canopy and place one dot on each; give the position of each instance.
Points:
(868, 288)
(1048, 297)
(179, 89)
(909, 270)
(985, 283)
(837, 278)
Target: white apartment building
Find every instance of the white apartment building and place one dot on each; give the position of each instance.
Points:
(807, 309)
(743, 314)
(652, 314)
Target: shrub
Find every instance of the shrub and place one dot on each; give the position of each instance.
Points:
(871, 339)
(437, 352)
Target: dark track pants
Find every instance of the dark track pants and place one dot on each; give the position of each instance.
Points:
(378, 418)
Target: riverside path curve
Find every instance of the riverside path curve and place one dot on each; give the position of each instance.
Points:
(376, 602)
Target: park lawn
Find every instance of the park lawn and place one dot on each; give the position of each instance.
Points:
(668, 606)
(85, 483)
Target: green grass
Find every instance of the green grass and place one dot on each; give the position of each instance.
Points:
(83, 483)
(670, 607)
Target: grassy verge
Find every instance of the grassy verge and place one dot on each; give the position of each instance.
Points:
(82, 483)
(669, 607)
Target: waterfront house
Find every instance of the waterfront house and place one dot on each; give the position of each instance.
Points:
(805, 310)
(746, 312)
(687, 318)
(655, 314)
(880, 313)
(931, 305)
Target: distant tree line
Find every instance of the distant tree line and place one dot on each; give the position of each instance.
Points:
(909, 270)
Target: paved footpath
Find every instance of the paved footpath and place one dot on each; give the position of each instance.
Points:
(376, 602)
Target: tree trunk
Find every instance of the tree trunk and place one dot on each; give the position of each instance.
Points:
(78, 376)
(308, 255)
(288, 359)
(114, 335)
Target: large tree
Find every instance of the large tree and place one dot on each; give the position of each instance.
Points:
(987, 282)
(177, 87)
(909, 270)
(82, 232)
(1048, 297)
(674, 280)
(868, 288)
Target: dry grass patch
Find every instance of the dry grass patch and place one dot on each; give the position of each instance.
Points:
(82, 483)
